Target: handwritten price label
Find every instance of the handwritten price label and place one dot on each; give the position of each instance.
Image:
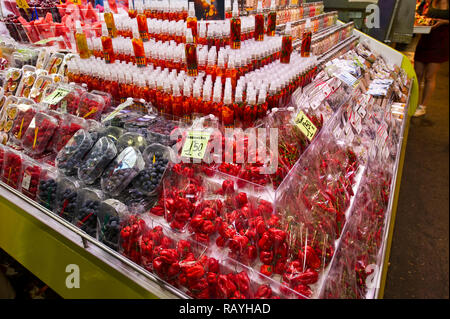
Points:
(56, 96)
(195, 144)
(22, 4)
(305, 125)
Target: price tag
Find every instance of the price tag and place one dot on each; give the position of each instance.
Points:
(26, 181)
(195, 144)
(346, 77)
(77, 2)
(64, 106)
(56, 96)
(305, 125)
(22, 4)
(45, 41)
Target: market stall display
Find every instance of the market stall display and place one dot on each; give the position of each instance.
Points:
(137, 174)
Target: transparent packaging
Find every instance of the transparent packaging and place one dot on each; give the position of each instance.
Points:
(39, 133)
(31, 173)
(26, 83)
(156, 157)
(12, 80)
(69, 125)
(122, 170)
(98, 158)
(66, 197)
(23, 115)
(111, 216)
(107, 98)
(88, 208)
(46, 195)
(131, 139)
(91, 106)
(69, 157)
(12, 168)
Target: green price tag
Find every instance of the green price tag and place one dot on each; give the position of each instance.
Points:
(195, 144)
(45, 41)
(56, 96)
(305, 125)
(358, 62)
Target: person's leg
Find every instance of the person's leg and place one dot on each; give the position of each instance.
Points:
(419, 67)
(431, 70)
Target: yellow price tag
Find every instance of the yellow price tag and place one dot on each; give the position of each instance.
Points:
(305, 125)
(195, 144)
(77, 2)
(22, 4)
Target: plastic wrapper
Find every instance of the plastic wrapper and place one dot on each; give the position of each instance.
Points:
(46, 195)
(160, 132)
(2, 155)
(31, 174)
(122, 170)
(111, 215)
(70, 156)
(135, 140)
(107, 98)
(121, 118)
(139, 124)
(68, 126)
(71, 101)
(91, 106)
(12, 168)
(88, 208)
(23, 115)
(39, 133)
(26, 83)
(66, 197)
(39, 87)
(156, 157)
(54, 63)
(13, 76)
(98, 158)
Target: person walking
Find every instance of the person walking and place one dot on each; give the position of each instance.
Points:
(431, 51)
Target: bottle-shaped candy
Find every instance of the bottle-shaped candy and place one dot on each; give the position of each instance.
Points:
(202, 34)
(191, 22)
(109, 20)
(187, 100)
(286, 45)
(235, 28)
(167, 98)
(191, 54)
(211, 67)
(196, 100)
(138, 49)
(207, 103)
(107, 45)
(81, 41)
(228, 12)
(177, 100)
(217, 99)
(259, 23)
(306, 40)
(131, 9)
(238, 105)
(142, 23)
(227, 107)
(272, 19)
(262, 104)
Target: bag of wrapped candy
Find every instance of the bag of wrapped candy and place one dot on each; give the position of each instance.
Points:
(110, 218)
(39, 133)
(66, 197)
(70, 156)
(46, 195)
(12, 168)
(30, 178)
(98, 158)
(88, 208)
(122, 170)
